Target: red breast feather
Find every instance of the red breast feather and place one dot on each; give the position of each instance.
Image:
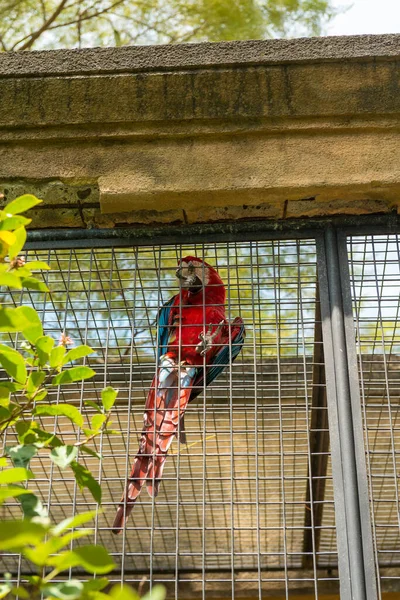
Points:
(195, 311)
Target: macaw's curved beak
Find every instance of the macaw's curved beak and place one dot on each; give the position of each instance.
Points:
(188, 278)
(178, 273)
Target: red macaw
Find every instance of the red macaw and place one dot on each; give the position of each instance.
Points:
(192, 331)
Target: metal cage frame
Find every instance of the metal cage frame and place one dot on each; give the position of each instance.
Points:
(356, 559)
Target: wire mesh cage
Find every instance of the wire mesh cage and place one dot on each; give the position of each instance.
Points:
(246, 508)
(375, 277)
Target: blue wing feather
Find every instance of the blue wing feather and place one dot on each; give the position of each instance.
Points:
(221, 360)
(163, 326)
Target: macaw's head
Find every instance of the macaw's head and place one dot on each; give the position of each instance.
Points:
(195, 274)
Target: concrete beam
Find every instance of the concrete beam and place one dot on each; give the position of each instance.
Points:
(202, 132)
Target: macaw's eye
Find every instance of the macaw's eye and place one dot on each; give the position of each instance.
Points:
(190, 267)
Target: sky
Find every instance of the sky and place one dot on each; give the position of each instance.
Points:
(366, 16)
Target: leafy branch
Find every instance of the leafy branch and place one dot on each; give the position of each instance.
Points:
(69, 23)
(36, 367)
(32, 37)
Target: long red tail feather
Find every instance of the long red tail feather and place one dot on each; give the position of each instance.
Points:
(161, 420)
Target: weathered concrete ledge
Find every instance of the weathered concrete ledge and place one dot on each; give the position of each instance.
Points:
(185, 56)
(201, 132)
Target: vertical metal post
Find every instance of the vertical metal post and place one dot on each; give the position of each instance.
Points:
(354, 534)
(319, 449)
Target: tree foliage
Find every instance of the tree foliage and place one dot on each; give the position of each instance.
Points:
(33, 366)
(37, 24)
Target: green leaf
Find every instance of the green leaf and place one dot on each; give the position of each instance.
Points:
(158, 592)
(31, 283)
(33, 508)
(97, 421)
(11, 223)
(123, 593)
(21, 592)
(39, 555)
(33, 328)
(95, 584)
(90, 451)
(21, 204)
(78, 352)
(36, 555)
(48, 439)
(56, 356)
(73, 535)
(14, 475)
(11, 386)
(87, 432)
(63, 455)
(44, 346)
(13, 363)
(73, 522)
(25, 433)
(35, 380)
(66, 410)
(73, 374)
(108, 397)
(20, 239)
(23, 318)
(12, 491)
(4, 396)
(29, 432)
(14, 535)
(41, 395)
(93, 405)
(7, 239)
(85, 479)
(37, 265)
(21, 455)
(94, 559)
(66, 590)
(22, 272)
(5, 413)
(5, 589)
(10, 280)
(8, 320)
(33, 579)
(97, 596)
(3, 461)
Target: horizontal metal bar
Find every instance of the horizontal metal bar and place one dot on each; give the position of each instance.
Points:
(208, 232)
(172, 571)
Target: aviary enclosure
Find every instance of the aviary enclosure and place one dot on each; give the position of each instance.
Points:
(306, 417)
